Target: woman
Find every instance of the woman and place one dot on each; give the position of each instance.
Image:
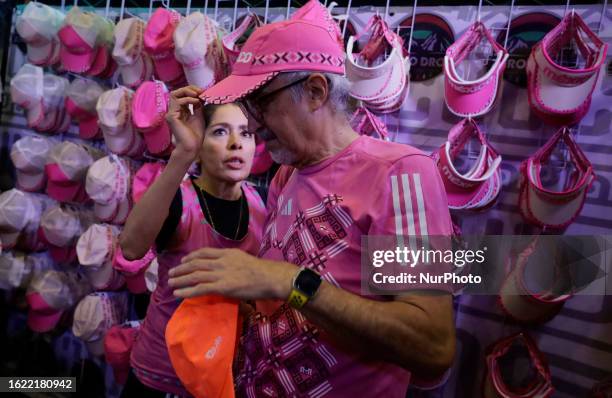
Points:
(177, 216)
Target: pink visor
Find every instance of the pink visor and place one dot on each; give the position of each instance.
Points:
(378, 80)
(523, 304)
(149, 108)
(280, 47)
(480, 185)
(473, 97)
(158, 43)
(561, 94)
(366, 123)
(497, 384)
(548, 208)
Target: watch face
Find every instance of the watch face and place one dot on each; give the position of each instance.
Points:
(308, 281)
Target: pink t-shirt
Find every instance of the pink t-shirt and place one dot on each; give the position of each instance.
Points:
(316, 218)
(149, 357)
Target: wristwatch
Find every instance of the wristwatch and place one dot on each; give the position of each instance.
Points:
(305, 284)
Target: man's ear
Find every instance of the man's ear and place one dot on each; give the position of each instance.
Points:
(316, 90)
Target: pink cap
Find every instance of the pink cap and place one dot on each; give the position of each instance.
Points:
(558, 94)
(78, 39)
(38, 26)
(114, 113)
(108, 185)
(48, 115)
(159, 44)
(118, 344)
(61, 226)
(135, 65)
(95, 314)
(14, 271)
(29, 155)
(144, 178)
(50, 294)
(27, 86)
(95, 250)
(81, 98)
(149, 108)
(280, 47)
(472, 97)
(194, 38)
(66, 169)
(19, 211)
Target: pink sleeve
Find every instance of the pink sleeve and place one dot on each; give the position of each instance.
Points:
(277, 185)
(412, 200)
(412, 212)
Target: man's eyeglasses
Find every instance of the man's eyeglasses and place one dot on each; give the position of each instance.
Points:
(256, 105)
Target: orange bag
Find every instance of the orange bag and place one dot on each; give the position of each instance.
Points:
(201, 339)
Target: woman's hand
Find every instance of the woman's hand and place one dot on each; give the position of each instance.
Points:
(188, 129)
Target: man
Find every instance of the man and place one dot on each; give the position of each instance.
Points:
(312, 333)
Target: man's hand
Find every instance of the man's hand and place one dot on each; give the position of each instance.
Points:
(231, 273)
(188, 129)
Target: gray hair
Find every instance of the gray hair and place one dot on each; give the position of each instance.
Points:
(338, 89)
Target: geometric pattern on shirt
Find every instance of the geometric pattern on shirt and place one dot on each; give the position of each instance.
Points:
(317, 234)
(283, 357)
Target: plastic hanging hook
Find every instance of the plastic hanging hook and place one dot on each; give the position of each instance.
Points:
(188, 9)
(509, 22)
(348, 13)
(387, 10)
(288, 9)
(266, 11)
(122, 10)
(414, 7)
(479, 9)
(216, 9)
(206, 7)
(603, 12)
(235, 16)
(107, 9)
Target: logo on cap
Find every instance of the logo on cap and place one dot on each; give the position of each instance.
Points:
(245, 57)
(212, 351)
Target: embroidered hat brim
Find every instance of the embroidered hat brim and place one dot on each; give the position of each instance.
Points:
(235, 87)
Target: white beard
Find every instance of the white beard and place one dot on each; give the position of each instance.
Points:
(283, 156)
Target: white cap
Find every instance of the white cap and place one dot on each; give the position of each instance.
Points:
(193, 37)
